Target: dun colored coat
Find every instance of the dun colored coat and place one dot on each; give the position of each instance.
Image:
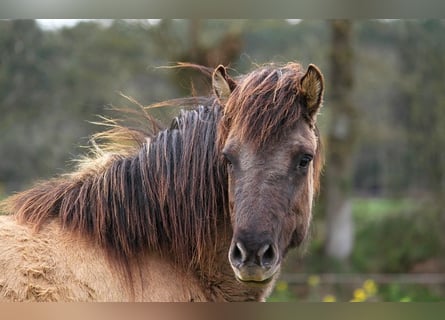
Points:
(204, 210)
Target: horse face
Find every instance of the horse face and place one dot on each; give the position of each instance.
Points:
(269, 144)
(270, 196)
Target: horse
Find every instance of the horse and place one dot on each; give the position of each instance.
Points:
(203, 210)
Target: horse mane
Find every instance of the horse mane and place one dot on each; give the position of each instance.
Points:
(140, 190)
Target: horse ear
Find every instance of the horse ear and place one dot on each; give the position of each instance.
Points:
(222, 84)
(312, 86)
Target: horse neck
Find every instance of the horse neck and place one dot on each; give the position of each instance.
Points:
(170, 197)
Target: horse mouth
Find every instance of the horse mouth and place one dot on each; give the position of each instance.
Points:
(255, 283)
(255, 275)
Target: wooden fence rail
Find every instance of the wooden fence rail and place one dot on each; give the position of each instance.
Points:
(344, 278)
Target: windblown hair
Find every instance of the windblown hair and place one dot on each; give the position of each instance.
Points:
(264, 105)
(141, 192)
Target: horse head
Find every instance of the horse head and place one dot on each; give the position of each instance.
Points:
(269, 143)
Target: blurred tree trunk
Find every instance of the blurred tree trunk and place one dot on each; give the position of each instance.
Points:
(224, 49)
(195, 47)
(342, 136)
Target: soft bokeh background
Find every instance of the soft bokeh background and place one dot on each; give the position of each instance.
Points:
(378, 222)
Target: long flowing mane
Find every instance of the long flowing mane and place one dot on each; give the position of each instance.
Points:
(141, 191)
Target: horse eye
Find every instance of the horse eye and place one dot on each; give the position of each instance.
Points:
(304, 161)
(228, 159)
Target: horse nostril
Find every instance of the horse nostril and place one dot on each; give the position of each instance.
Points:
(238, 254)
(266, 255)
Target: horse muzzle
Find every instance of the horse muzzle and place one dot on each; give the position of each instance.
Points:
(254, 263)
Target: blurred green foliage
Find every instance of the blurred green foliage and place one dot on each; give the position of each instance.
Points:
(393, 235)
(409, 293)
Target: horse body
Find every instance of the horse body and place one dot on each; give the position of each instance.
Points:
(205, 210)
(53, 265)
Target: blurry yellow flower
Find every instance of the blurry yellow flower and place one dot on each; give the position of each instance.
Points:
(313, 280)
(329, 298)
(281, 286)
(359, 295)
(370, 287)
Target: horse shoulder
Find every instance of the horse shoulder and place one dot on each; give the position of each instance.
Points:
(53, 264)
(50, 265)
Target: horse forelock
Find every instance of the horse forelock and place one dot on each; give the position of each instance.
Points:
(265, 104)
